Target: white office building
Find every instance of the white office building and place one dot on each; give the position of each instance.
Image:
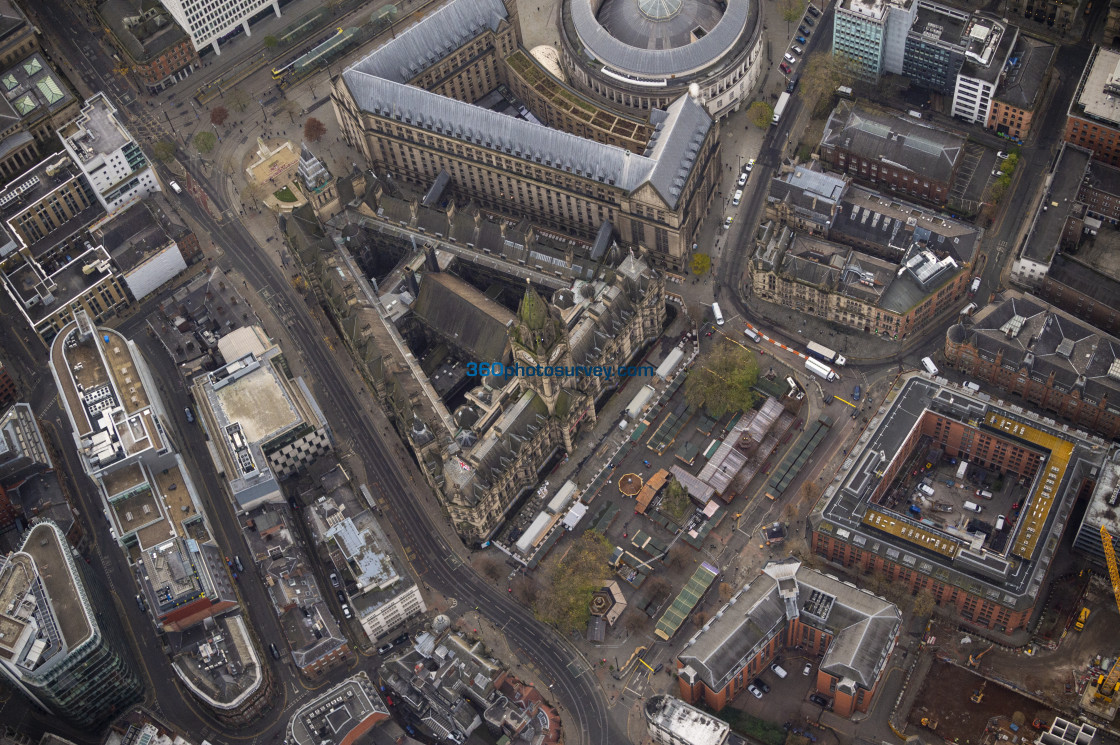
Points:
(107, 154)
(207, 21)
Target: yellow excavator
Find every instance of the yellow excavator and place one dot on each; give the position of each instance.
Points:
(975, 661)
(1106, 684)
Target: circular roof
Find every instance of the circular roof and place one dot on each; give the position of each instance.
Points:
(659, 24)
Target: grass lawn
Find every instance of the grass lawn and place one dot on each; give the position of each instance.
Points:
(284, 195)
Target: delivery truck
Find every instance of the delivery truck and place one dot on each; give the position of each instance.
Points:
(820, 369)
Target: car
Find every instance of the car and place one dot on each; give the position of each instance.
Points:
(791, 86)
(807, 669)
(274, 650)
(804, 31)
(346, 611)
(997, 173)
(727, 222)
(814, 12)
(341, 596)
(790, 58)
(796, 49)
(760, 684)
(809, 21)
(856, 391)
(801, 40)
(750, 165)
(175, 187)
(334, 580)
(743, 178)
(385, 648)
(784, 68)
(737, 198)
(189, 414)
(1001, 155)
(754, 691)
(400, 640)
(819, 700)
(141, 604)
(237, 563)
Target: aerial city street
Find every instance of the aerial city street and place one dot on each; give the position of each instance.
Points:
(541, 372)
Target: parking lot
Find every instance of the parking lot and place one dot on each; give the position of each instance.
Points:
(788, 698)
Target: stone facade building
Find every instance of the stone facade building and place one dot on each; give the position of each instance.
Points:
(406, 108)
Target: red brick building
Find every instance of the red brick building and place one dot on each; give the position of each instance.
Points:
(1039, 357)
(788, 606)
(153, 46)
(1094, 120)
(1020, 90)
(892, 151)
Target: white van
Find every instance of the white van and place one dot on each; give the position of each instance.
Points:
(999, 522)
(930, 368)
(778, 670)
(983, 494)
(753, 335)
(973, 507)
(717, 313)
(175, 187)
(926, 489)
(975, 388)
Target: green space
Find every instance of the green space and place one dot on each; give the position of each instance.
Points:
(284, 195)
(701, 263)
(752, 727)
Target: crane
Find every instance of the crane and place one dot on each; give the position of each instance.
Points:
(975, 661)
(1106, 684)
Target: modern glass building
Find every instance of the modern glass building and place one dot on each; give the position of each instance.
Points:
(51, 647)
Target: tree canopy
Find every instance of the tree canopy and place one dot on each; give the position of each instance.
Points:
(205, 141)
(723, 379)
(569, 585)
(761, 114)
(313, 130)
(218, 115)
(164, 150)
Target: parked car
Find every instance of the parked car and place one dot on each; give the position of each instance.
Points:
(791, 86)
(754, 691)
(809, 21)
(778, 670)
(189, 414)
(760, 684)
(807, 669)
(334, 580)
(856, 391)
(819, 700)
(175, 187)
(1001, 155)
(743, 179)
(400, 640)
(790, 58)
(735, 200)
(997, 173)
(346, 611)
(804, 31)
(341, 596)
(797, 50)
(750, 165)
(814, 12)
(237, 563)
(385, 648)
(727, 222)
(801, 40)
(785, 68)
(141, 604)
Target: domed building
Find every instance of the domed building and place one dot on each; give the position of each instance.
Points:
(638, 55)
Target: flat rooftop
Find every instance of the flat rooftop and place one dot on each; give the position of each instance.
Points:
(1099, 95)
(47, 549)
(849, 513)
(42, 295)
(23, 192)
(339, 715)
(96, 131)
(1058, 203)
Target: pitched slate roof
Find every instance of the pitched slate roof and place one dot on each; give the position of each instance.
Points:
(376, 83)
(896, 140)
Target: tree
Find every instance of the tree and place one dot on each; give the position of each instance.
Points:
(252, 194)
(924, 603)
(313, 130)
(726, 590)
(289, 107)
(823, 74)
(676, 503)
(633, 623)
(723, 380)
(565, 601)
(526, 591)
(679, 556)
(271, 42)
(791, 11)
(701, 263)
(489, 568)
(205, 141)
(761, 114)
(164, 151)
(218, 115)
(701, 617)
(238, 99)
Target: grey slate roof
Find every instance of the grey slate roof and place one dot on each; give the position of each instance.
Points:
(863, 625)
(666, 165)
(739, 19)
(1024, 80)
(433, 38)
(899, 141)
(462, 313)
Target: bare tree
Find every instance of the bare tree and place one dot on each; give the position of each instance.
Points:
(313, 130)
(633, 623)
(679, 556)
